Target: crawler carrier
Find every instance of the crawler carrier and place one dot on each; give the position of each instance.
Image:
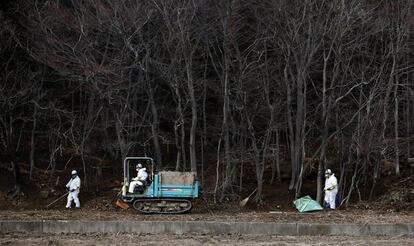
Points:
(165, 192)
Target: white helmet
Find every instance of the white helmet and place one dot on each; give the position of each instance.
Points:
(328, 172)
(74, 172)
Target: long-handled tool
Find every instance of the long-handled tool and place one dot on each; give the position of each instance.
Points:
(57, 199)
(245, 200)
(118, 202)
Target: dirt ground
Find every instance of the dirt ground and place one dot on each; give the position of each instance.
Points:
(338, 217)
(277, 207)
(394, 206)
(102, 208)
(187, 239)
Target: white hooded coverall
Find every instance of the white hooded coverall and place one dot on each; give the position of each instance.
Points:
(74, 186)
(139, 180)
(331, 189)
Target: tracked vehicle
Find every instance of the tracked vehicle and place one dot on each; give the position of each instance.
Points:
(164, 192)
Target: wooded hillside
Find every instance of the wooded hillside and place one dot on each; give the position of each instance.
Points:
(210, 85)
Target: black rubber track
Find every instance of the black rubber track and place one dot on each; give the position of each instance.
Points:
(137, 206)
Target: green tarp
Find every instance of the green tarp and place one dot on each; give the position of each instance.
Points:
(306, 204)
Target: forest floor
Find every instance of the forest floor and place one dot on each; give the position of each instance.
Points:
(102, 207)
(394, 203)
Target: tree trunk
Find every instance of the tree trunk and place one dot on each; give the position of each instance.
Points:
(178, 145)
(217, 171)
(17, 180)
(276, 159)
(192, 143)
(228, 178)
(290, 128)
(179, 129)
(299, 131)
(154, 126)
(18, 183)
(32, 141)
(325, 119)
(397, 149)
(258, 163)
(354, 180)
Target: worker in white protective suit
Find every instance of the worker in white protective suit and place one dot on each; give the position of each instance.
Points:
(140, 179)
(331, 189)
(73, 187)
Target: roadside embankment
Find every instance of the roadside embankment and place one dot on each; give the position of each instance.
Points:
(205, 227)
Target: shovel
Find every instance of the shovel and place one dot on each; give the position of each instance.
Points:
(57, 199)
(121, 204)
(245, 200)
(118, 202)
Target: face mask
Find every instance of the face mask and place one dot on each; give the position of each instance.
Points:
(326, 175)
